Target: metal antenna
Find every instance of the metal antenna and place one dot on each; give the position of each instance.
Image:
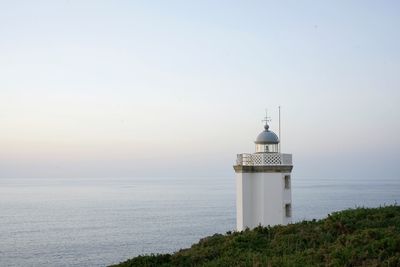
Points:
(280, 137)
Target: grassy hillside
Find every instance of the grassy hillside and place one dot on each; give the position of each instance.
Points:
(357, 237)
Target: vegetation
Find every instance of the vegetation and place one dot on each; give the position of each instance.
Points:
(357, 237)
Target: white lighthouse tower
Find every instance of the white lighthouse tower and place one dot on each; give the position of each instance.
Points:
(263, 184)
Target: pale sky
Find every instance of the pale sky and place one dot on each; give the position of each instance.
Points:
(178, 88)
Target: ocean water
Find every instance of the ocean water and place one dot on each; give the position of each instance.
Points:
(96, 222)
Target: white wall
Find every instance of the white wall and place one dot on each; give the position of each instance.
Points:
(261, 199)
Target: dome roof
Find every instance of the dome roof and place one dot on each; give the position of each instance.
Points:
(267, 137)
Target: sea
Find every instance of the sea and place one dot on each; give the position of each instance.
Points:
(98, 222)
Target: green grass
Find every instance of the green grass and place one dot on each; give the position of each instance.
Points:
(356, 237)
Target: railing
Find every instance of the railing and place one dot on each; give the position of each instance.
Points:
(264, 159)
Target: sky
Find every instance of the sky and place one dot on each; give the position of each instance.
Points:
(178, 88)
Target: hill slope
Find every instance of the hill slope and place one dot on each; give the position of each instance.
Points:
(357, 237)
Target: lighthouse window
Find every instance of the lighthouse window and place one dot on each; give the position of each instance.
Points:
(288, 210)
(268, 148)
(287, 181)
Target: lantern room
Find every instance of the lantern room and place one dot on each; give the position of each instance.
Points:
(267, 141)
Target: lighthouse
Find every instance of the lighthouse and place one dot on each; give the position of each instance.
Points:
(263, 183)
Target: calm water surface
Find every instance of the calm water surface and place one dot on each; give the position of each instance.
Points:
(95, 222)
